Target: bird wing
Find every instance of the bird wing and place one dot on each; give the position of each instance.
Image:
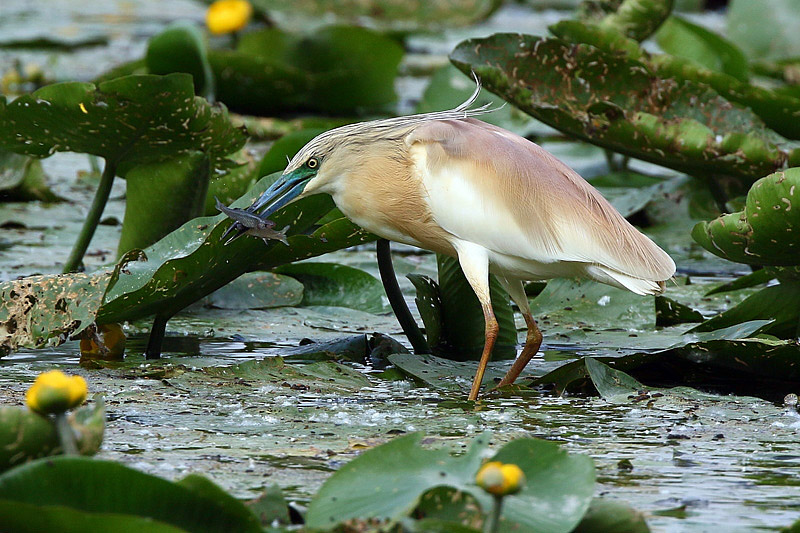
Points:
(489, 186)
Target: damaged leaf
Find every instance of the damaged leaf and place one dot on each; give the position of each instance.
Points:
(619, 104)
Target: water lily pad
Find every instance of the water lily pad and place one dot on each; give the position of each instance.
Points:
(322, 375)
(129, 121)
(47, 310)
(193, 261)
(679, 37)
(619, 104)
(257, 290)
(765, 231)
(387, 482)
(337, 285)
(78, 483)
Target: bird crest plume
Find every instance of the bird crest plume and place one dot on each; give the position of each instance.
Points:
(390, 127)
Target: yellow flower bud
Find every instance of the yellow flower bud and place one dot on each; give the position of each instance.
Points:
(226, 16)
(500, 479)
(54, 392)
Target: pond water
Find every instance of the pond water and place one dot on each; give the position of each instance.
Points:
(693, 461)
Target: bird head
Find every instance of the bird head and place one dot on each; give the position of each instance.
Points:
(319, 166)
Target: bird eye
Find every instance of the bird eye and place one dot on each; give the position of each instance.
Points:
(312, 163)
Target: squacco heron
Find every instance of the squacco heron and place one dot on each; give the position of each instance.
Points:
(450, 183)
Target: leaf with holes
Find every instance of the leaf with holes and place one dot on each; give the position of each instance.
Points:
(620, 104)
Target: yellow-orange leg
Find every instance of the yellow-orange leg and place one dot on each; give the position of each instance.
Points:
(532, 343)
(474, 261)
(534, 338)
(491, 330)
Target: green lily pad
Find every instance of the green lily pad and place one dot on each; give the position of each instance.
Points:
(619, 104)
(22, 178)
(185, 177)
(681, 38)
(395, 15)
(46, 310)
(127, 121)
(669, 312)
(337, 285)
(637, 19)
(388, 481)
(321, 375)
(193, 261)
(180, 48)
(779, 303)
(257, 290)
(446, 374)
(94, 486)
(608, 515)
(765, 231)
(336, 69)
(32, 518)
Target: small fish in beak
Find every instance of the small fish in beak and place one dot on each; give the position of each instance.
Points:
(250, 224)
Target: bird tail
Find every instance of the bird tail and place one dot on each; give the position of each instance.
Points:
(624, 281)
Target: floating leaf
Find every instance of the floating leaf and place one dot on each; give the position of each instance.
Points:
(321, 375)
(128, 121)
(388, 481)
(257, 290)
(396, 15)
(637, 19)
(22, 178)
(193, 261)
(337, 285)
(778, 303)
(31, 518)
(336, 69)
(47, 310)
(619, 104)
(765, 231)
(609, 515)
(180, 48)
(669, 312)
(682, 38)
(95, 486)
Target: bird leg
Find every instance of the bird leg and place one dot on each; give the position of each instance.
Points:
(534, 339)
(474, 261)
(492, 328)
(532, 344)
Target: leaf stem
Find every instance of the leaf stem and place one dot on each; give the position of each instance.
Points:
(92, 218)
(492, 523)
(156, 338)
(397, 301)
(66, 435)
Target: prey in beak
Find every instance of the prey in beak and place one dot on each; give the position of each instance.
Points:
(247, 223)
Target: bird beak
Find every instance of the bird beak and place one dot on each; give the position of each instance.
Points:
(286, 189)
(280, 193)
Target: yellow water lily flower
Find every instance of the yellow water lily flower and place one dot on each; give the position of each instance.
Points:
(227, 16)
(500, 479)
(54, 392)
